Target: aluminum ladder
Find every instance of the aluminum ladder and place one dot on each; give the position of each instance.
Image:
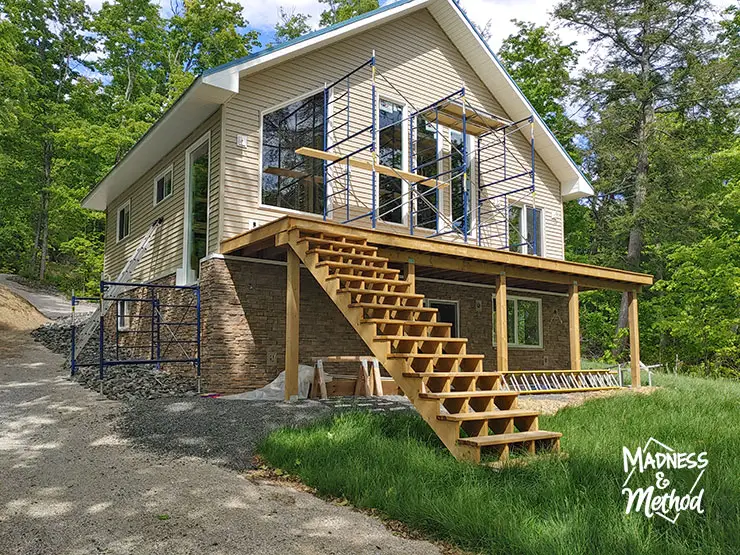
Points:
(559, 381)
(93, 321)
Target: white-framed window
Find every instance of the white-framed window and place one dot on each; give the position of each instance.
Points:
(392, 152)
(447, 311)
(163, 186)
(123, 315)
(526, 233)
(123, 221)
(523, 321)
(290, 180)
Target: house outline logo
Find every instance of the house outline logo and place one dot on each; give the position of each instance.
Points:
(661, 498)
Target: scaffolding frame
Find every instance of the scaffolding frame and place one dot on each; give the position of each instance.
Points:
(485, 217)
(159, 349)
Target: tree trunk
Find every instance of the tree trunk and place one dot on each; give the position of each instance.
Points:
(44, 214)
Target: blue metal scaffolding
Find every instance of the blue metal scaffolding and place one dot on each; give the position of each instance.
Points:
(154, 318)
(484, 174)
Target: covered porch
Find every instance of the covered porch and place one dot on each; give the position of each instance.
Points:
(433, 265)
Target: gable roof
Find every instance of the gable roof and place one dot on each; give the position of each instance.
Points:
(216, 86)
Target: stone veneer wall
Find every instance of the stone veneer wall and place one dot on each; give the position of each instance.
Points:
(243, 311)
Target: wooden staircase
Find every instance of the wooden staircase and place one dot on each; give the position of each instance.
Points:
(464, 404)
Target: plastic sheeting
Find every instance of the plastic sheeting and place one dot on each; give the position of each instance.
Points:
(275, 390)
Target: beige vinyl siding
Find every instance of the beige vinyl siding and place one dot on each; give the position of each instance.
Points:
(164, 256)
(416, 56)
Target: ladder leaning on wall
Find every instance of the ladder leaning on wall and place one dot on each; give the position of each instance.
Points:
(93, 321)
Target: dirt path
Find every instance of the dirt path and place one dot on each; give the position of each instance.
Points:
(70, 485)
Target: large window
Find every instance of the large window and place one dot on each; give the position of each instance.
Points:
(391, 153)
(288, 179)
(427, 164)
(525, 230)
(198, 158)
(457, 147)
(523, 320)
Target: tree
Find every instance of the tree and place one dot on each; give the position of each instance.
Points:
(541, 64)
(53, 41)
(202, 34)
(342, 10)
(291, 25)
(653, 58)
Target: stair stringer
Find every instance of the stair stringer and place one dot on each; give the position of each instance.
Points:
(448, 432)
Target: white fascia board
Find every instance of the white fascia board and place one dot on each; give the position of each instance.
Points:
(198, 103)
(480, 57)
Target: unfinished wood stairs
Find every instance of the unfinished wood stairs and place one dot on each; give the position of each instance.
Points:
(464, 404)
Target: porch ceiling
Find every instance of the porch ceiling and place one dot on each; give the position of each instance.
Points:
(440, 259)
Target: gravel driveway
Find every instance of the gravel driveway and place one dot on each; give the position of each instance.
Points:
(71, 484)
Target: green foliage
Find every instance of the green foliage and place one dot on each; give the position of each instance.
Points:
(541, 65)
(395, 464)
(291, 25)
(342, 10)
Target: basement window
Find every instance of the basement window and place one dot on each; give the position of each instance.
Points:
(123, 315)
(290, 180)
(523, 321)
(123, 221)
(163, 186)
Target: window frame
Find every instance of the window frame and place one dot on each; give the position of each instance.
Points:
(205, 138)
(262, 114)
(169, 169)
(516, 299)
(524, 224)
(428, 304)
(404, 157)
(124, 206)
(123, 315)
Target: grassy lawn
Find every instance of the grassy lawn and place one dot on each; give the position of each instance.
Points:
(573, 504)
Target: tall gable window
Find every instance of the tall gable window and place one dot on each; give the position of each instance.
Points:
(163, 186)
(123, 221)
(288, 179)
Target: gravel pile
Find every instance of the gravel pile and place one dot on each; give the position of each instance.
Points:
(126, 383)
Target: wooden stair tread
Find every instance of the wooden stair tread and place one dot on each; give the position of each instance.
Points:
(377, 293)
(389, 281)
(343, 235)
(491, 415)
(383, 306)
(460, 374)
(467, 394)
(434, 355)
(505, 439)
(394, 322)
(327, 252)
(350, 266)
(429, 338)
(334, 242)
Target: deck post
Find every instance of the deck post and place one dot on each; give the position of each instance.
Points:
(634, 337)
(502, 330)
(574, 325)
(292, 315)
(410, 273)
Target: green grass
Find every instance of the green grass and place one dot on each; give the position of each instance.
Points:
(394, 463)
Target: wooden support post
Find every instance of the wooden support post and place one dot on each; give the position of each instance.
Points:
(634, 338)
(502, 332)
(410, 272)
(574, 324)
(292, 314)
